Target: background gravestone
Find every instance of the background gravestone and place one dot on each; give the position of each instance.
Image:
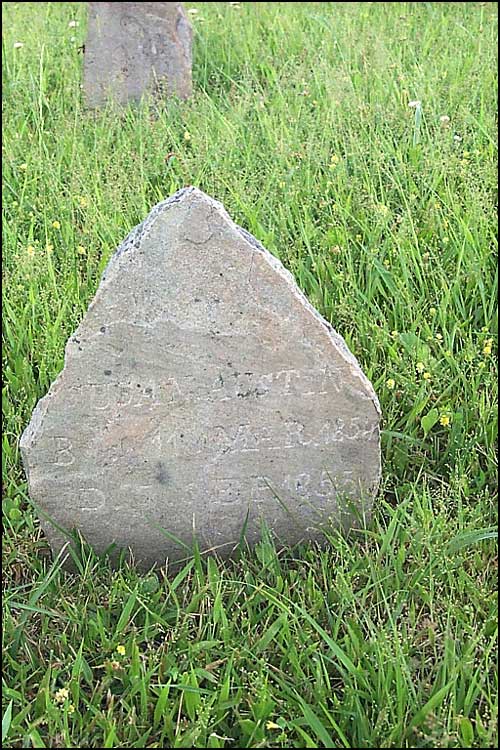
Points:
(134, 48)
(201, 392)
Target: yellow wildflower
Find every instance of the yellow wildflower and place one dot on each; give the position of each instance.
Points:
(83, 202)
(49, 247)
(23, 167)
(56, 225)
(30, 250)
(432, 311)
(426, 376)
(81, 250)
(187, 136)
(120, 650)
(487, 350)
(391, 384)
(444, 420)
(71, 709)
(61, 695)
(272, 725)
(420, 366)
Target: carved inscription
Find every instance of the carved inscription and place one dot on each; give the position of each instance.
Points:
(91, 499)
(313, 495)
(63, 451)
(250, 438)
(236, 386)
(132, 498)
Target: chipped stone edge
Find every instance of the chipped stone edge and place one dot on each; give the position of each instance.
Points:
(138, 234)
(133, 241)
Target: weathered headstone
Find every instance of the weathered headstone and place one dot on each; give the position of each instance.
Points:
(201, 394)
(135, 48)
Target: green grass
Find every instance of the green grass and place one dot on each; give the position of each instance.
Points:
(300, 125)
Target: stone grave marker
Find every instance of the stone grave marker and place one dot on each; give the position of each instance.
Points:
(201, 394)
(134, 48)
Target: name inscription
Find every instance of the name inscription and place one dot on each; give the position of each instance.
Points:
(222, 387)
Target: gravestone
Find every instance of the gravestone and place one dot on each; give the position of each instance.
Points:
(134, 48)
(201, 395)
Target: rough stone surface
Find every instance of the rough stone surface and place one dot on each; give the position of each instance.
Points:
(134, 48)
(201, 392)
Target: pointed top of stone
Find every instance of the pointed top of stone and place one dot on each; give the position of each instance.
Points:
(192, 198)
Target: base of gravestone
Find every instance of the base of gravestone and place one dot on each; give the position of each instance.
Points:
(76, 553)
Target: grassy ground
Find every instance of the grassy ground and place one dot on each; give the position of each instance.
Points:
(385, 214)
